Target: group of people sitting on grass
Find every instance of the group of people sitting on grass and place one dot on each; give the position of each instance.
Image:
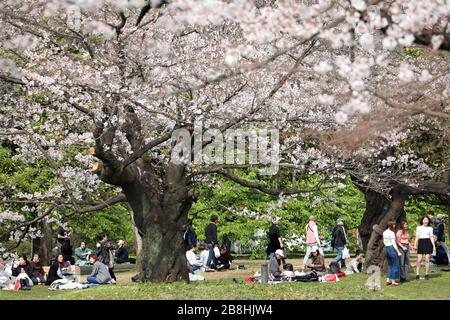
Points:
(280, 270)
(22, 274)
(221, 260)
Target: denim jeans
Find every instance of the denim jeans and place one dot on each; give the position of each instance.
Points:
(195, 268)
(404, 262)
(271, 255)
(339, 257)
(92, 280)
(308, 253)
(393, 263)
(211, 255)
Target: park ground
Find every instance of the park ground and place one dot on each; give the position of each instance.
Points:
(231, 285)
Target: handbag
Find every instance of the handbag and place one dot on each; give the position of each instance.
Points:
(345, 253)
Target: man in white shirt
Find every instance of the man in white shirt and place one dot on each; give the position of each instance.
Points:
(191, 258)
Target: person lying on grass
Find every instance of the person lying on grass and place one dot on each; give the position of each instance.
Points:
(100, 272)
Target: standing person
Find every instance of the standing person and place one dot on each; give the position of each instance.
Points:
(425, 246)
(312, 239)
(81, 254)
(38, 270)
(211, 238)
(392, 254)
(190, 236)
(100, 273)
(105, 253)
(404, 245)
(439, 232)
(275, 240)
(64, 233)
(339, 241)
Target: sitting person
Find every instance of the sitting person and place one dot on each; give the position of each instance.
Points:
(204, 253)
(275, 262)
(288, 270)
(59, 269)
(122, 253)
(357, 264)
(25, 265)
(224, 260)
(81, 254)
(317, 261)
(38, 270)
(5, 274)
(193, 263)
(440, 257)
(100, 272)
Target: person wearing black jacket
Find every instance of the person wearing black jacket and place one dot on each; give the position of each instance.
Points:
(225, 259)
(122, 252)
(275, 241)
(339, 241)
(26, 266)
(439, 232)
(211, 238)
(105, 253)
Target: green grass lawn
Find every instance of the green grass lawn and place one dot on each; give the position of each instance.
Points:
(222, 286)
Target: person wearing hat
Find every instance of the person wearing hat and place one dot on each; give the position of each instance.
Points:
(312, 239)
(317, 260)
(439, 233)
(339, 241)
(275, 240)
(275, 262)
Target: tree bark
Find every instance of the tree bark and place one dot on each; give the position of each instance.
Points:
(43, 245)
(160, 209)
(375, 247)
(377, 205)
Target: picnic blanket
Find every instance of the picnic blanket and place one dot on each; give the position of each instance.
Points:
(65, 284)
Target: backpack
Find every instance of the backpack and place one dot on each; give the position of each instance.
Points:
(334, 268)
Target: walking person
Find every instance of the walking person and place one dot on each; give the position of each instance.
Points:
(275, 240)
(211, 239)
(425, 246)
(312, 239)
(404, 246)
(105, 254)
(339, 241)
(392, 254)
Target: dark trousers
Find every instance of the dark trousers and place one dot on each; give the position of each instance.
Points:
(111, 272)
(404, 263)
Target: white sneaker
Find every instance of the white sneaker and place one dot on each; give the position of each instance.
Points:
(113, 281)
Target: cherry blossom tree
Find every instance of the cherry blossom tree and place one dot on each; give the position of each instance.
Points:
(120, 78)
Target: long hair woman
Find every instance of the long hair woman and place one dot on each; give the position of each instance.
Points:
(425, 246)
(404, 245)
(392, 254)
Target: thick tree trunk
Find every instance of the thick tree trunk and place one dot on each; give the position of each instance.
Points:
(375, 247)
(160, 212)
(43, 245)
(377, 205)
